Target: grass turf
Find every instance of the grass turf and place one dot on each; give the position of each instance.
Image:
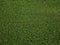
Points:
(29, 22)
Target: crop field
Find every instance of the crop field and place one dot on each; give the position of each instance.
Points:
(29, 22)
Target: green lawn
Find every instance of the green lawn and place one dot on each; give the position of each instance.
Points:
(29, 22)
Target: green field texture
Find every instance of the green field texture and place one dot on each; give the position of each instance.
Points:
(29, 22)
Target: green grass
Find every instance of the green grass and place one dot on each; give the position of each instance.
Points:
(29, 22)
